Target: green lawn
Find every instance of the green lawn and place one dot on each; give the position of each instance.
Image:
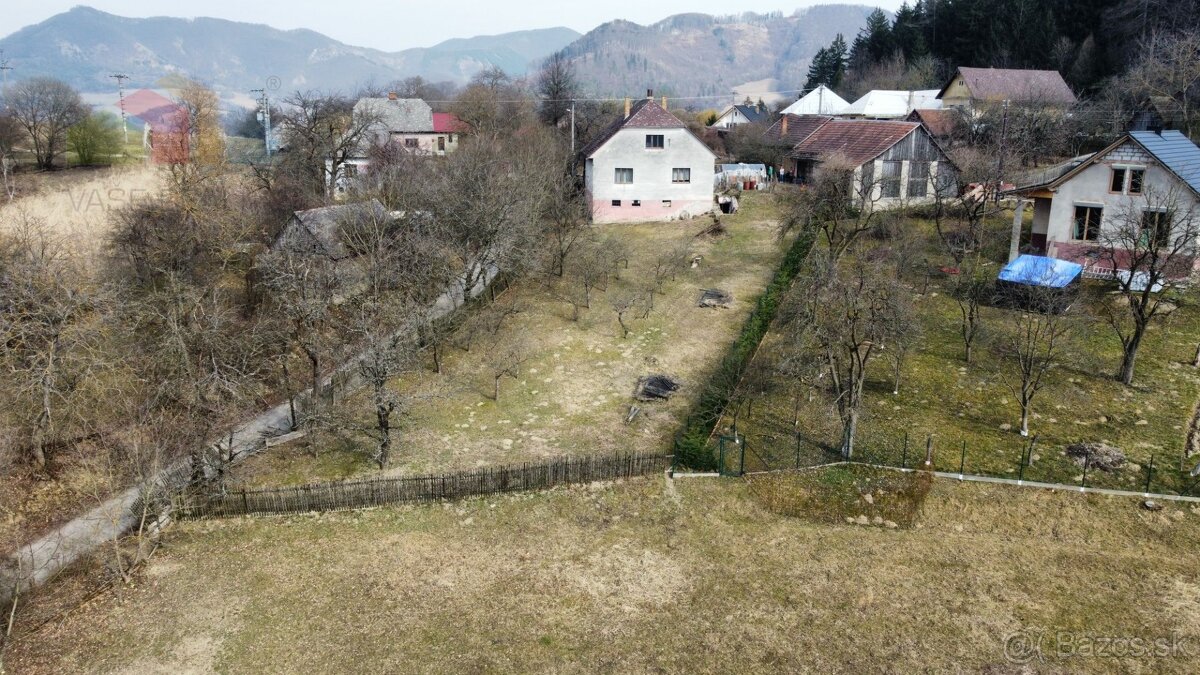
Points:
(943, 397)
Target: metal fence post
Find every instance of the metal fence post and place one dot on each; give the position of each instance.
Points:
(742, 464)
(904, 453)
(1149, 473)
(962, 461)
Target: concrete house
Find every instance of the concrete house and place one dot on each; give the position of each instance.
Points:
(819, 101)
(736, 115)
(1151, 177)
(978, 87)
(409, 123)
(647, 166)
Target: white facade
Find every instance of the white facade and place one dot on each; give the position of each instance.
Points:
(669, 182)
(729, 119)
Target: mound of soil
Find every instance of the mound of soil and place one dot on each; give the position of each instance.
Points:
(1097, 456)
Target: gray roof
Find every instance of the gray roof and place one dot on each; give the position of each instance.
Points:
(752, 113)
(1175, 151)
(319, 230)
(399, 115)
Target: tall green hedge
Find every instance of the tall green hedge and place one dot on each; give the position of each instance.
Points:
(691, 443)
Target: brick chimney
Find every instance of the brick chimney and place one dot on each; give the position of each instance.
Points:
(392, 96)
(628, 107)
(783, 125)
(664, 103)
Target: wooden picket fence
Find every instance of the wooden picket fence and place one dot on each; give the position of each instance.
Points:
(360, 494)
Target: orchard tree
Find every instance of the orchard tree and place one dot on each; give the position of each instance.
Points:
(45, 108)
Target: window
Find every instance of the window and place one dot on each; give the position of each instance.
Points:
(1137, 178)
(681, 175)
(1117, 184)
(1156, 227)
(1087, 223)
(918, 179)
(655, 141)
(890, 180)
(666, 203)
(351, 170)
(441, 142)
(637, 202)
(616, 202)
(411, 143)
(624, 176)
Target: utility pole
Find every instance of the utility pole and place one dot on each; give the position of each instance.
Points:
(264, 116)
(1003, 134)
(4, 68)
(120, 78)
(572, 130)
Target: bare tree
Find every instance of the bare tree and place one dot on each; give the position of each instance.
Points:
(45, 108)
(1168, 68)
(565, 220)
(506, 362)
(1151, 245)
(623, 304)
(1032, 345)
(322, 131)
(556, 85)
(841, 202)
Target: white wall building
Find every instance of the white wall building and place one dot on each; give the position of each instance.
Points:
(736, 115)
(648, 166)
(819, 101)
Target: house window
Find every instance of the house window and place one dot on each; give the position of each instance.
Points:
(890, 180)
(351, 170)
(666, 203)
(1137, 179)
(624, 176)
(441, 143)
(1156, 226)
(655, 141)
(411, 143)
(1117, 184)
(616, 202)
(681, 175)
(918, 179)
(1087, 223)
(637, 202)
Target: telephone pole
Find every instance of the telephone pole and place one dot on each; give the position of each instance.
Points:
(572, 130)
(264, 116)
(120, 78)
(4, 68)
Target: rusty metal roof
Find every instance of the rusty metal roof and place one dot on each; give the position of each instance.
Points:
(859, 141)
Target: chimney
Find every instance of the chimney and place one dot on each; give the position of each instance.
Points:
(628, 105)
(783, 125)
(664, 103)
(392, 96)
(650, 94)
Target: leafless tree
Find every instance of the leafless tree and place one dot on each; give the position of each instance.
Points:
(322, 131)
(623, 303)
(565, 220)
(841, 202)
(1033, 341)
(506, 362)
(556, 86)
(1168, 68)
(45, 108)
(1151, 243)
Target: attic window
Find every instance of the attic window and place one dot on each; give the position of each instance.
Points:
(1117, 184)
(1137, 178)
(655, 141)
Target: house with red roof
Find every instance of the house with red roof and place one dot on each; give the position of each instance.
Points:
(648, 166)
(895, 162)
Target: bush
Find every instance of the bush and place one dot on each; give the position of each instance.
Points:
(97, 135)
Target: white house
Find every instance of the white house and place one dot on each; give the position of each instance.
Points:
(819, 101)
(648, 166)
(1150, 177)
(736, 115)
(889, 104)
(409, 123)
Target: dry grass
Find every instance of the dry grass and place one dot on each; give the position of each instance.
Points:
(75, 204)
(575, 390)
(637, 577)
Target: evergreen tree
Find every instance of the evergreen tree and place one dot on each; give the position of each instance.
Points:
(874, 42)
(908, 32)
(828, 66)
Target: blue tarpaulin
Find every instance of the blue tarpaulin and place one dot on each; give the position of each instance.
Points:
(1036, 270)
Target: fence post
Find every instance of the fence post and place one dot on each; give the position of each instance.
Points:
(1149, 473)
(962, 461)
(929, 451)
(742, 464)
(904, 453)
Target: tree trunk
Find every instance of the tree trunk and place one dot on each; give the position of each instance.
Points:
(1024, 418)
(849, 429)
(1129, 356)
(385, 436)
(496, 388)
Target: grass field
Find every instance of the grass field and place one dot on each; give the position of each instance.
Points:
(954, 402)
(575, 390)
(692, 576)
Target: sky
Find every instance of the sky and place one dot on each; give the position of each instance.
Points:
(392, 25)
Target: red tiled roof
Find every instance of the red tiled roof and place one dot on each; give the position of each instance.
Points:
(800, 127)
(939, 123)
(448, 123)
(998, 84)
(859, 141)
(644, 114)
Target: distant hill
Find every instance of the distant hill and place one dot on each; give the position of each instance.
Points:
(84, 46)
(702, 55)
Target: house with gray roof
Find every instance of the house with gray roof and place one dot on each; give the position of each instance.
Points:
(409, 123)
(1147, 177)
(318, 232)
(737, 115)
(977, 87)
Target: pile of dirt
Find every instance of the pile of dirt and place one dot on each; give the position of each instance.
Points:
(1097, 456)
(716, 298)
(656, 388)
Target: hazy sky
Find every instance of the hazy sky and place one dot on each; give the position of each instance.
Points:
(398, 24)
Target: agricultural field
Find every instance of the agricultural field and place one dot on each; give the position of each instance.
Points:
(573, 392)
(689, 575)
(942, 397)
